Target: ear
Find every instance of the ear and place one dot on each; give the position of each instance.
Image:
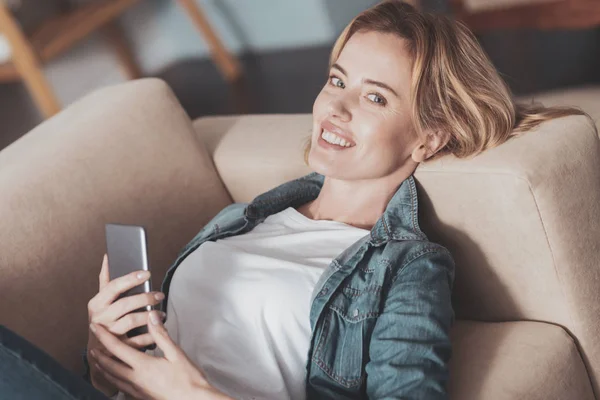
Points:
(433, 142)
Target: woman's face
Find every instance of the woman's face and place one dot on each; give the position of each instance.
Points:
(366, 100)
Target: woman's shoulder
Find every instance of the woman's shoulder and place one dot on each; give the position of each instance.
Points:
(420, 257)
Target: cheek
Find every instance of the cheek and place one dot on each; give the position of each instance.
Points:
(389, 133)
(377, 128)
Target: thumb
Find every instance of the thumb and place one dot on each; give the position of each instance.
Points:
(161, 337)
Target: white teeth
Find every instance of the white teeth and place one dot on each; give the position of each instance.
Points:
(334, 139)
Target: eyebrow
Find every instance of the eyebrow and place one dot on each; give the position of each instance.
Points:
(369, 81)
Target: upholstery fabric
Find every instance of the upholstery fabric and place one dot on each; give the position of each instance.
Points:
(585, 97)
(515, 360)
(125, 154)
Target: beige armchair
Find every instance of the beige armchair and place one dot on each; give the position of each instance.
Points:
(522, 220)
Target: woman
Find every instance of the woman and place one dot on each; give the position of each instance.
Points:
(325, 287)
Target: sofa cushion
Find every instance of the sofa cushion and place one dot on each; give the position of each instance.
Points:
(585, 97)
(516, 360)
(255, 153)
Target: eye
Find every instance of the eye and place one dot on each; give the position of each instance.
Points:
(337, 82)
(377, 99)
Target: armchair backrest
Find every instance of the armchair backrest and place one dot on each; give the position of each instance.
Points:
(522, 220)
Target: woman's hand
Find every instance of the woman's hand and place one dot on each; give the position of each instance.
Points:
(117, 316)
(142, 376)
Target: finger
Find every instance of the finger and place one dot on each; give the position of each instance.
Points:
(161, 337)
(104, 273)
(100, 348)
(129, 321)
(128, 304)
(120, 285)
(122, 385)
(128, 355)
(114, 367)
(139, 341)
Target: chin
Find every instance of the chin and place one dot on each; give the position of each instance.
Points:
(317, 164)
(325, 168)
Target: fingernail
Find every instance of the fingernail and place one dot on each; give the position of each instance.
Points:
(143, 274)
(92, 353)
(153, 318)
(159, 296)
(93, 327)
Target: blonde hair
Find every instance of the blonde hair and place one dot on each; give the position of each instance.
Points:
(455, 87)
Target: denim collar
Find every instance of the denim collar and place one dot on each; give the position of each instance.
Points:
(398, 222)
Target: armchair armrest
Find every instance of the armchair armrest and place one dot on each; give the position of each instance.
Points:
(125, 154)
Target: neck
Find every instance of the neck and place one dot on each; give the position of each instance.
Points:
(359, 203)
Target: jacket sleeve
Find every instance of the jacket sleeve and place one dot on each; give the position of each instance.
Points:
(410, 345)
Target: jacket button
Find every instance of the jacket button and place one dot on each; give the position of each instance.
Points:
(355, 313)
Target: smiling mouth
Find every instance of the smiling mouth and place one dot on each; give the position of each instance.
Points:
(336, 140)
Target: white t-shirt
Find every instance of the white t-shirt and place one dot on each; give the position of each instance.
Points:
(239, 307)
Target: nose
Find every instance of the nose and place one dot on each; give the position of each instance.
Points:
(340, 107)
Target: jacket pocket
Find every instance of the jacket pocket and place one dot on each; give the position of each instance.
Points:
(340, 347)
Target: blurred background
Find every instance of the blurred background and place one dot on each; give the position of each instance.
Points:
(63, 49)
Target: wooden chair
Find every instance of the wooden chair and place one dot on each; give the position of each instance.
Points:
(58, 34)
(561, 14)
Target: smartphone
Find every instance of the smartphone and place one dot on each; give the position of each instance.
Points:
(126, 250)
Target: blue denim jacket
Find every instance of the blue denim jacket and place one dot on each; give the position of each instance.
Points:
(380, 313)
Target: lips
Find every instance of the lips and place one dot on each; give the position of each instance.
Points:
(330, 127)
